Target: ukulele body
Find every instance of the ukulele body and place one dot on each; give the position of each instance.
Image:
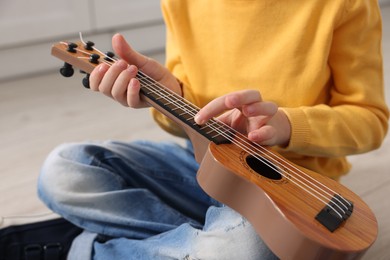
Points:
(282, 213)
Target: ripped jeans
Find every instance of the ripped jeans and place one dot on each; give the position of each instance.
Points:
(141, 200)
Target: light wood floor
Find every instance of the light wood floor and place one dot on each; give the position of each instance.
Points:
(38, 113)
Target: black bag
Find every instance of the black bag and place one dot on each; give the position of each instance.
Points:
(46, 240)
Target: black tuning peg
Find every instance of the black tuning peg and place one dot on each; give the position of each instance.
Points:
(72, 47)
(109, 56)
(89, 45)
(86, 81)
(94, 58)
(67, 70)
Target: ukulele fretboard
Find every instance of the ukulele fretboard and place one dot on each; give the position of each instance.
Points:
(182, 110)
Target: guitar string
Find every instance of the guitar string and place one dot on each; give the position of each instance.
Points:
(146, 77)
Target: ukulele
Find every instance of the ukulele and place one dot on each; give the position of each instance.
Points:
(298, 213)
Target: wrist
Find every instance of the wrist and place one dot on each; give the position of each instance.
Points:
(181, 85)
(284, 128)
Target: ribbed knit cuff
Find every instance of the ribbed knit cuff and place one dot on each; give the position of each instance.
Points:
(300, 129)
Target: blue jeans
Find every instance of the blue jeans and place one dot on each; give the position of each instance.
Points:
(141, 200)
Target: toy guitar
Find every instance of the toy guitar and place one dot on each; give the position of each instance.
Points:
(298, 213)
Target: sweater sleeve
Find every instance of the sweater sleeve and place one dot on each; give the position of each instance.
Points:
(355, 120)
(174, 65)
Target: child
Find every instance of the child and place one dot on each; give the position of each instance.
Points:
(304, 77)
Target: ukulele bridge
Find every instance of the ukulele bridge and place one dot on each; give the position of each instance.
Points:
(335, 212)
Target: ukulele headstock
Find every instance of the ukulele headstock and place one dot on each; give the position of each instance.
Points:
(81, 55)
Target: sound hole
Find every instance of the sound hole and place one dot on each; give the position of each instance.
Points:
(263, 167)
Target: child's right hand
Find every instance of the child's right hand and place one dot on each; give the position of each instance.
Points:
(119, 82)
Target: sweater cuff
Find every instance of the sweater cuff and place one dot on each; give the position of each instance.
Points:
(300, 129)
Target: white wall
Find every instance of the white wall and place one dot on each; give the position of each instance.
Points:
(383, 2)
(29, 28)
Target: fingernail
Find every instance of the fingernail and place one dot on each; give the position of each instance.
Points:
(250, 110)
(253, 136)
(122, 64)
(132, 82)
(197, 119)
(102, 68)
(131, 68)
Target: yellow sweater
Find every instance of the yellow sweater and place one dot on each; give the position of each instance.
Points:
(320, 61)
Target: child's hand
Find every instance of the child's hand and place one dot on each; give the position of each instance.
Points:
(119, 82)
(261, 121)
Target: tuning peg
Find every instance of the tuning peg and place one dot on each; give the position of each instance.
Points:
(89, 45)
(67, 70)
(86, 81)
(72, 47)
(109, 56)
(94, 58)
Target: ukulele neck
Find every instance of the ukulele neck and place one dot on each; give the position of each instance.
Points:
(181, 109)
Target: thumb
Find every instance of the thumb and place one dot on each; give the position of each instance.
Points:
(123, 49)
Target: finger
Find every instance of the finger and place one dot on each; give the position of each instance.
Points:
(265, 135)
(144, 63)
(235, 119)
(212, 109)
(263, 108)
(226, 102)
(123, 49)
(97, 76)
(133, 94)
(119, 90)
(110, 77)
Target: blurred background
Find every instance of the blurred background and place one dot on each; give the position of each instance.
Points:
(40, 109)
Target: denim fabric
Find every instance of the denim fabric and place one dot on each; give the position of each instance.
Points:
(141, 200)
